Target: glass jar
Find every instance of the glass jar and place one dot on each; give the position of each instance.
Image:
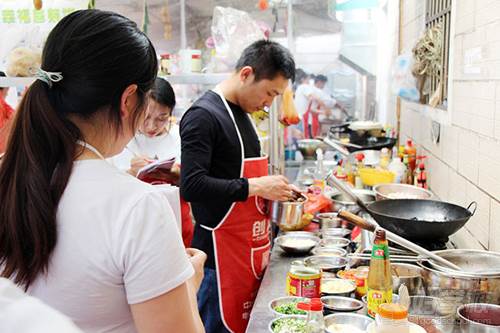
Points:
(303, 281)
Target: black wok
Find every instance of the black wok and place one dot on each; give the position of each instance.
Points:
(420, 219)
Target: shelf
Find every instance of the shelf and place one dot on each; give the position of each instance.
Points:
(16, 81)
(196, 78)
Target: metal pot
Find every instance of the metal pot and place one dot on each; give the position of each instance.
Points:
(457, 288)
(479, 318)
(307, 148)
(409, 275)
(288, 215)
(342, 201)
(330, 220)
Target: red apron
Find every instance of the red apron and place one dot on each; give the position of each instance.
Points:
(241, 248)
(314, 132)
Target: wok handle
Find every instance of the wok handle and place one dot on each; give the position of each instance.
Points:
(356, 220)
(475, 207)
(419, 250)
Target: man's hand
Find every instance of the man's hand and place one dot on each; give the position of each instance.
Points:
(271, 188)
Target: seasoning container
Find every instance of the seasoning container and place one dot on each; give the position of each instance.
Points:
(379, 282)
(196, 61)
(392, 318)
(360, 277)
(165, 63)
(303, 281)
(315, 321)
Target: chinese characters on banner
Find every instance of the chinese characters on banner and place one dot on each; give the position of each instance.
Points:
(23, 11)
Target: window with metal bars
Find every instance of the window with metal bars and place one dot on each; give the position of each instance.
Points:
(438, 13)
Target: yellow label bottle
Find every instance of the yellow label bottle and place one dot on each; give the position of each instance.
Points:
(379, 283)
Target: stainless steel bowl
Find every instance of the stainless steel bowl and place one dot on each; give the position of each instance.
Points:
(329, 251)
(289, 215)
(479, 318)
(284, 300)
(298, 242)
(349, 287)
(408, 274)
(335, 232)
(460, 288)
(400, 191)
(342, 201)
(335, 242)
(329, 220)
(357, 320)
(298, 318)
(307, 148)
(341, 304)
(431, 313)
(328, 264)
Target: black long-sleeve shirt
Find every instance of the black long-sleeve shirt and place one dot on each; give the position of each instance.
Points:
(211, 163)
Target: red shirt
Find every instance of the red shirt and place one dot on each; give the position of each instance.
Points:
(6, 112)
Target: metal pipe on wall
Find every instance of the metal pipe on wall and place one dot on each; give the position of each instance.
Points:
(277, 149)
(183, 25)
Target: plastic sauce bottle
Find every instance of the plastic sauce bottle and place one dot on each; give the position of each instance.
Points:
(358, 183)
(392, 318)
(384, 158)
(379, 283)
(398, 168)
(411, 151)
(315, 322)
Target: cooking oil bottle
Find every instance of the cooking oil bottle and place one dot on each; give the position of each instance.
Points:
(379, 282)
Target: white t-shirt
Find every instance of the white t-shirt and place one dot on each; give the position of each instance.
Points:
(117, 245)
(324, 97)
(20, 313)
(164, 146)
(301, 99)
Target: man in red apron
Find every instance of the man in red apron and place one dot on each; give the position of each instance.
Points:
(225, 177)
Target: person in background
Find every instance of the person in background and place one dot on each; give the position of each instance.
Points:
(158, 138)
(303, 95)
(97, 244)
(224, 176)
(6, 114)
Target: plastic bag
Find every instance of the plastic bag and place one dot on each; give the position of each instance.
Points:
(288, 112)
(404, 84)
(317, 203)
(232, 31)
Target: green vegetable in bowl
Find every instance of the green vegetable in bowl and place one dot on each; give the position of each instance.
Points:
(289, 325)
(289, 309)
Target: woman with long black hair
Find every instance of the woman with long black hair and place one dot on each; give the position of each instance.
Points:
(94, 243)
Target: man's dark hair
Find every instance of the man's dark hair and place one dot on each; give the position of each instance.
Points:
(268, 59)
(320, 78)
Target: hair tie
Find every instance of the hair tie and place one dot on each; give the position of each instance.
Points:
(48, 77)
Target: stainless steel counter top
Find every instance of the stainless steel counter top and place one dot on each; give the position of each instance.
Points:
(273, 285)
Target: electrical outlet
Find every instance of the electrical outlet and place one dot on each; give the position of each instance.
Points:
(435, 132)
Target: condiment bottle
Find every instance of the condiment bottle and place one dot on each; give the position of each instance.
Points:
(397, 167)
(411, 151)
(421, 176)
(408, 175)
(315, 322)
(392, 318)
(358, 183)
(384, 158)
(379, 283)
(320, 172)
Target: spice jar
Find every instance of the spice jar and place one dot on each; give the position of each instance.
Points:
(165, 63)
(303, 281)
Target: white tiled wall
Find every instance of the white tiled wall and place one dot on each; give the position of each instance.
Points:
(465, 165)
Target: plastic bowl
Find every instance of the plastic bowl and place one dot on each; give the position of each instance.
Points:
(372, 177)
